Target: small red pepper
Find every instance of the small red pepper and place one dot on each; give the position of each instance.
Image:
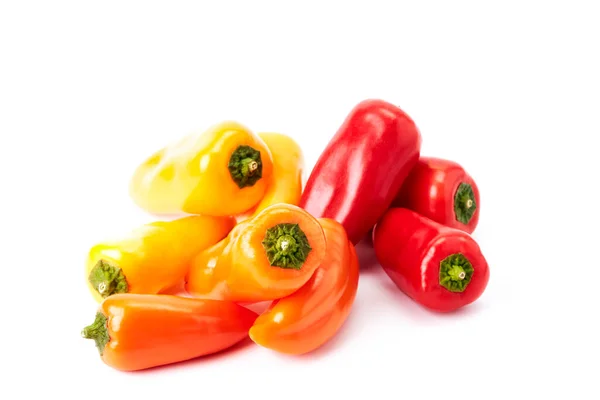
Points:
(443, 191)
(361, 170)
(439, 267)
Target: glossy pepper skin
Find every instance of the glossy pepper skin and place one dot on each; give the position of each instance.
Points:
(439, 267)
(221, 171)
(443, 191)
(360, 172)
(153, 257)
(264, 258)
(139, 331)
(285, 185)
(311, 316)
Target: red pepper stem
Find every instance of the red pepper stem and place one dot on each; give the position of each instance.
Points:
(456, 272)
(464, 203)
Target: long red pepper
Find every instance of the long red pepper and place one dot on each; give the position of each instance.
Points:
(363, 167)
(443, 191)
(439, 267)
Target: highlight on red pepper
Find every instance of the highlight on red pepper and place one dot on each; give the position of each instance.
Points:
(139, 331)
(311, 316)
(439, 267)
(443, 191)
(264, 258)
(361, 170)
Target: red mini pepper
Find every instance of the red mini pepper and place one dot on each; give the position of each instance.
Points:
(361, 170)
(439, 267)
(443, 191)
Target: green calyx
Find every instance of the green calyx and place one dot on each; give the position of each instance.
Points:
(98, 331)
(456, 272)
(464, 203)
(286, 246)
(106, 278)
(245, 166)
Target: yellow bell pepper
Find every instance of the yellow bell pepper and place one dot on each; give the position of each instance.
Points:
(153, 257)
(221, 171)
(288, 166)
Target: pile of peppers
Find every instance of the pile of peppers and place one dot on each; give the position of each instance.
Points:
(256, 252)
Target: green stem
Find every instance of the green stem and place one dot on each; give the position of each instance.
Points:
(98, 331)
(107, 278)
(245, 166)
(464, 203)
(456, 272)
(286, 246)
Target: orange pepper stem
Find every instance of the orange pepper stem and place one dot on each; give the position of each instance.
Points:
(286, 246)
(245, 166)
(107, 278)
(98, 331)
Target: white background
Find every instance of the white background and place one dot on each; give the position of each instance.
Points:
(508, 89)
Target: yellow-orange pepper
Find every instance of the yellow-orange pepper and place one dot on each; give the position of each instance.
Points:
(153, 257)
(221, 171)
(288, 166)
(264, 258)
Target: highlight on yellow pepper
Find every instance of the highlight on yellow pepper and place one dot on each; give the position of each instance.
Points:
(152, 258)
(285, 185)
(221, 171)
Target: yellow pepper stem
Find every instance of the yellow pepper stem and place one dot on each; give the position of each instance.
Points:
(107, 278)
(245, 166)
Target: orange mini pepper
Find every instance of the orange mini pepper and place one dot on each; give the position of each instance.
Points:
(221, 171)
(139, 331)
(285, 185)
(309, 317)
(153, 257)
(263, 258)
